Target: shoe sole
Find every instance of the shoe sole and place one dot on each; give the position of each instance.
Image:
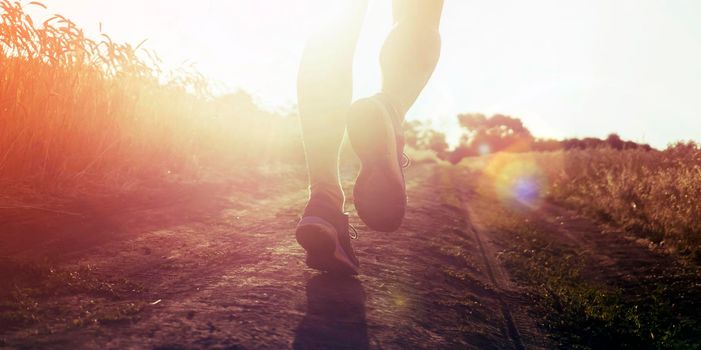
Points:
(324, 251)
(379, 193)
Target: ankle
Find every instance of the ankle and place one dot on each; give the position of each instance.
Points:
(333, 199)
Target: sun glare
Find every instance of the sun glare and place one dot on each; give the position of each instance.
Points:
(254, 46)
(558, 82)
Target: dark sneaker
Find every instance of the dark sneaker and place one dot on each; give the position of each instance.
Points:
(375, 133)
(323, 233)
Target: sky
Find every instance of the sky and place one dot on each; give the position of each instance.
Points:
(567, 69)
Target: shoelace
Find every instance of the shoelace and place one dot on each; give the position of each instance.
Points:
(352, 229)
(405, 161)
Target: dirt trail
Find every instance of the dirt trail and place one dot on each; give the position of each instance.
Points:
(219, 268)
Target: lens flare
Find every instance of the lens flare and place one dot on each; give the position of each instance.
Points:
(526, 189)
(517, 180)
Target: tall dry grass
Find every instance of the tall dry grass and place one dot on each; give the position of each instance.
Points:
(652, 194)
(76, 111)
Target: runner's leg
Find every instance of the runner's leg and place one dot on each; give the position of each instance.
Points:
(325, 89)
(411, 50)
(408, 58)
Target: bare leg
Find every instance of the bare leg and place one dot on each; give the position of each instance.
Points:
(325, 90)
(408, 58)
(411, 51)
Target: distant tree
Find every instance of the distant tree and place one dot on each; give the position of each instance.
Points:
(411, 132)
(614, 141)
(472, 121)
(500, 133)
(585, 143)
(546, 145)
(459, 153)
(646, 147)
(483, 135)
(421, 136)
(683, 149)
(437, 143)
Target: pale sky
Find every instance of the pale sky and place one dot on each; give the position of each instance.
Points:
(566, 68)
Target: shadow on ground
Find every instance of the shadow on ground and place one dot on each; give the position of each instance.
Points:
(335, 316)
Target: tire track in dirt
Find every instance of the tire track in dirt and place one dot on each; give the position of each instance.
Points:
(517, 325)
(490, 262)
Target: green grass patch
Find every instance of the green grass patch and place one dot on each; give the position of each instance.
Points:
(584, 315)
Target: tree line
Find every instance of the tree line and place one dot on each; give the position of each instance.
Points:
(482, 135)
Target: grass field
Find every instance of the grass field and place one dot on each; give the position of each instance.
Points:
(80, 112)
(652, 194)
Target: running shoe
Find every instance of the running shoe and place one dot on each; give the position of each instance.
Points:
(324, 233)
(375, 133)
